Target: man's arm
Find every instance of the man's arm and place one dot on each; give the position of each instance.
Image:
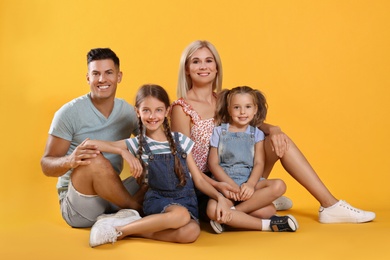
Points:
(56, 163)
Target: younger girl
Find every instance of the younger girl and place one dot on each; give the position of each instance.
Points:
(170, 204)
(237, 157)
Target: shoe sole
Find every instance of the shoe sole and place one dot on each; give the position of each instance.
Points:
(345, 221)
(293, 223)
(216, 226)
(286, 203)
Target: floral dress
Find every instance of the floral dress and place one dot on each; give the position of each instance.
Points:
(201, 131)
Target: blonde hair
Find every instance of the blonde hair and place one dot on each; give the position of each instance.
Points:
(184, 81)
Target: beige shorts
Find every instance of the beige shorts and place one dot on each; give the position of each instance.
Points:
(80, 210)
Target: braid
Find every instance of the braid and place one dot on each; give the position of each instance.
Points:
(178, 167)
(140, 141)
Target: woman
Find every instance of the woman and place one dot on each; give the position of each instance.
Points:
(200, 78)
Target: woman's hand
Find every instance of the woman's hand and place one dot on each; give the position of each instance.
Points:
(280, 142)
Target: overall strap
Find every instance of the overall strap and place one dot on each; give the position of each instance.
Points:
(252, 129)
(178, 145)
(224, 128)
(146, 147)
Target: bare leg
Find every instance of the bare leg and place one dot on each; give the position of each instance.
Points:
(239, 220)
(186, 234)
(175, 225)
(266, 191)
(295, 163)
(99, 178)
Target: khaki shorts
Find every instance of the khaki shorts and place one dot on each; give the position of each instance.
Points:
(80, 210)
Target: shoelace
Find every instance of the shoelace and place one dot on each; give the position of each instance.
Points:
(346, 205)
(111, 237)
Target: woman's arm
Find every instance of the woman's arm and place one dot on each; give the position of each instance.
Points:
(279, 141)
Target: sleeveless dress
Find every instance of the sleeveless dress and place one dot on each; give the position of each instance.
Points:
(200, 133)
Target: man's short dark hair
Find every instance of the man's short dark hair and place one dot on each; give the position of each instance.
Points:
(102, 54)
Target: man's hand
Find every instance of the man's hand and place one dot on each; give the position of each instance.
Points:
(82, 155)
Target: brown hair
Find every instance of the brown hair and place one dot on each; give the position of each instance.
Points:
(158, 92)
(223, 102)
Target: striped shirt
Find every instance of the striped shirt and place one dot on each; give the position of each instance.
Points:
(157, 147)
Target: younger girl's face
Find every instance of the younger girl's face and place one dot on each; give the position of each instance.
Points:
(242, 109)
(152, 112)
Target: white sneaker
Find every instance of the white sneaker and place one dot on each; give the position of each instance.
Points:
(218, 227)
(103, 234)
(283, 203)
(104, 231)
(342, 212)
(119, 218)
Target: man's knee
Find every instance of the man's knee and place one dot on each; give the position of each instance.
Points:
(97, 165)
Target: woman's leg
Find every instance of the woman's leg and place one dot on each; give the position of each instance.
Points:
(295, 163)
(332, 210)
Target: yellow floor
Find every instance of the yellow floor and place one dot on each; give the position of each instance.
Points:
(33, 229)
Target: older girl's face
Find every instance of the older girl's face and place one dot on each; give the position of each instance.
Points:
(152, 112)
(202, 67)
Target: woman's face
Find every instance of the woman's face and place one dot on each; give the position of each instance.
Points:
(202, 67)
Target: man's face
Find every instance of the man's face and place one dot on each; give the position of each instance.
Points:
(103, 77)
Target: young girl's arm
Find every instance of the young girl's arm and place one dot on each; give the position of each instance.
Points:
(217, 170)
(223, 212)
(119, 147)
(248, 188)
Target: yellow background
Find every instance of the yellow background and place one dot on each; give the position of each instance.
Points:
(323, 66)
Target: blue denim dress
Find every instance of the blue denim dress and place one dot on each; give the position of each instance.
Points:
(164, 189)
(236, 152)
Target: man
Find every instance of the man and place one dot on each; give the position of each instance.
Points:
(88, 181)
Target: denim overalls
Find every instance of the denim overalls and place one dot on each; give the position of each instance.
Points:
(164, 189)
(236, 152)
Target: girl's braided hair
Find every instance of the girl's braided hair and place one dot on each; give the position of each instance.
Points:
(158, 92)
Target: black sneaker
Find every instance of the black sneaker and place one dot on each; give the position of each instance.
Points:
(283, 223)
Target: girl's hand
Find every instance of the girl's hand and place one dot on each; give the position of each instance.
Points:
(229, 191)
(224, 214)
(280, 142)
(134, 164)
(246, 192)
